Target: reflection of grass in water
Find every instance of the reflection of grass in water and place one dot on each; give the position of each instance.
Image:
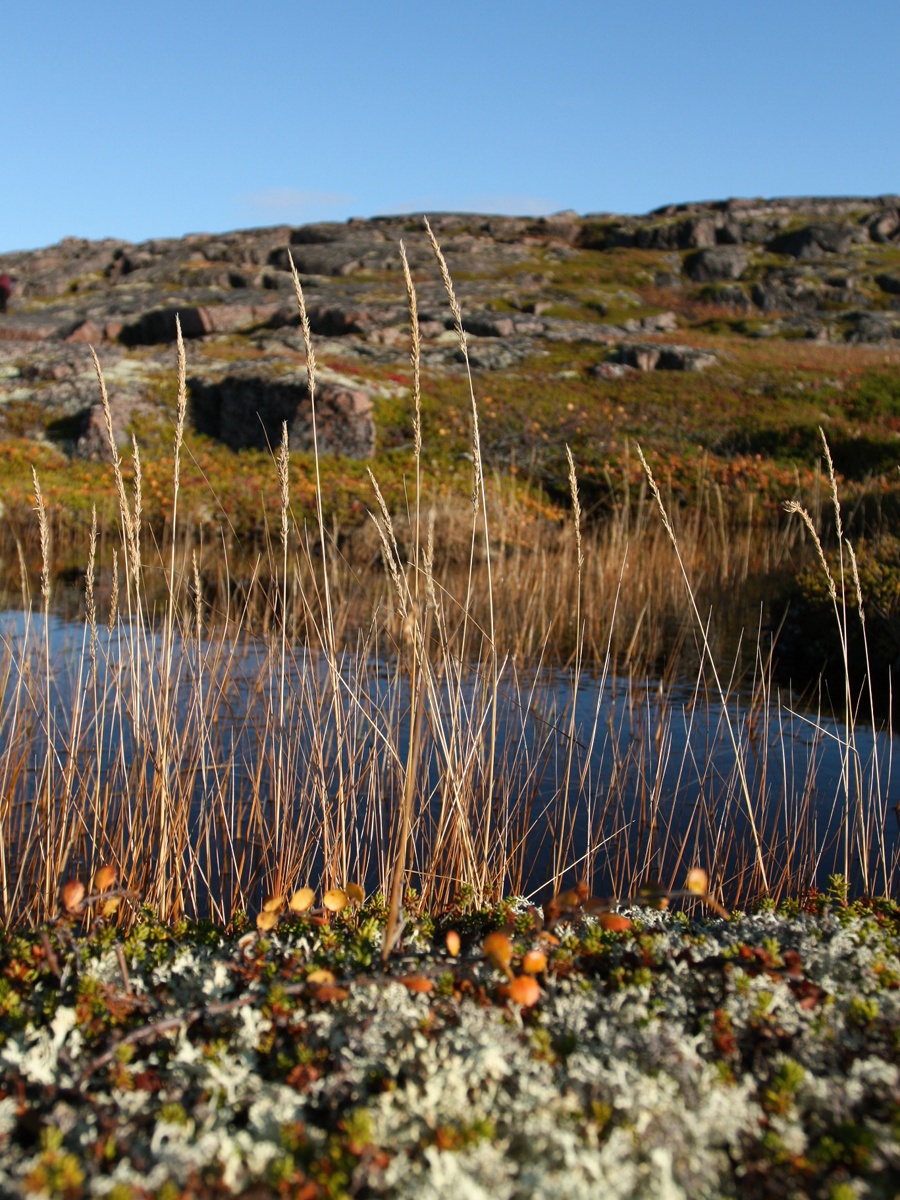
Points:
(328, 780)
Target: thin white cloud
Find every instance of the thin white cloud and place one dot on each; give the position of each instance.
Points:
(292, 205)
(513, 205)
(506, 205)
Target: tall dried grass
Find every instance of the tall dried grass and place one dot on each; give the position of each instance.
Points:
(405, 727)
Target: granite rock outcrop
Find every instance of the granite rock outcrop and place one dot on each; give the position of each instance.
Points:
(823, 268)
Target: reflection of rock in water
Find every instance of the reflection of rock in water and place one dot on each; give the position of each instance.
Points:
(247, 411)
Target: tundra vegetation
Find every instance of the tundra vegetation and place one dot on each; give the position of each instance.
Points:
(259, 824)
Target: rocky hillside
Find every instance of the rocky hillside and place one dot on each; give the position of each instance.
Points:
(822, 269)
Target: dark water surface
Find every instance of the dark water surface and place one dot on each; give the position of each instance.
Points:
(617, 779)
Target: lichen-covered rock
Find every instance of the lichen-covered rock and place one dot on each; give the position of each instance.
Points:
(870, 327)
(234, 294)
(248, 410)
(814, 241)
(659, 356)
(718, 264)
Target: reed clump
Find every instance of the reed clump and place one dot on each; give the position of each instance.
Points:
(477, 722)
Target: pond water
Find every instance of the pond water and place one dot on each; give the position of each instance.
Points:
(245, 762)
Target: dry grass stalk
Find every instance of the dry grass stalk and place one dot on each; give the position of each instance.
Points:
(114, 593)
(90, 603)
(337, 854)
(124, 509)
(794, 508)
(212, 768)
(739, 762)
(44, 527)
(479, 501)
(858, 829)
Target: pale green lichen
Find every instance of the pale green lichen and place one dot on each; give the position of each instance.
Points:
(654, 1065)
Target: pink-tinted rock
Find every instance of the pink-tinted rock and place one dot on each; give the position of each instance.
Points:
(85, 331)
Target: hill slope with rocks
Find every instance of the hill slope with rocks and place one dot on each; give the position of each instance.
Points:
(820, 269)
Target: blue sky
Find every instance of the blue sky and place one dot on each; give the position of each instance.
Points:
(136, 120)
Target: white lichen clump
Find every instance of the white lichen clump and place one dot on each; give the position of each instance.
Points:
(625, 1090)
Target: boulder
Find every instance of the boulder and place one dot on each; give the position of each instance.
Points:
(642, 356)
(489, 325)
(610, 370)
(732, 295)
(247, 411)
(663, 322)
(336, 321)
(814, 241)
(716, 265)
(354, 250)
(320, 233)
(561, 226)
(339, 320)
(870, 327)
(330, 258)
(92, 441)
(657, 356)
(690, 234)
(889, 283)
(158, 325)
(28, 327)
(493, 355)
(787, 291)
(431, 329)
(885, 226)
(85, 331)
(730, 233)
(229, 318)
(758, 231)
(273, 280)
(528, 326)
(344, 423)
(604, 234)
